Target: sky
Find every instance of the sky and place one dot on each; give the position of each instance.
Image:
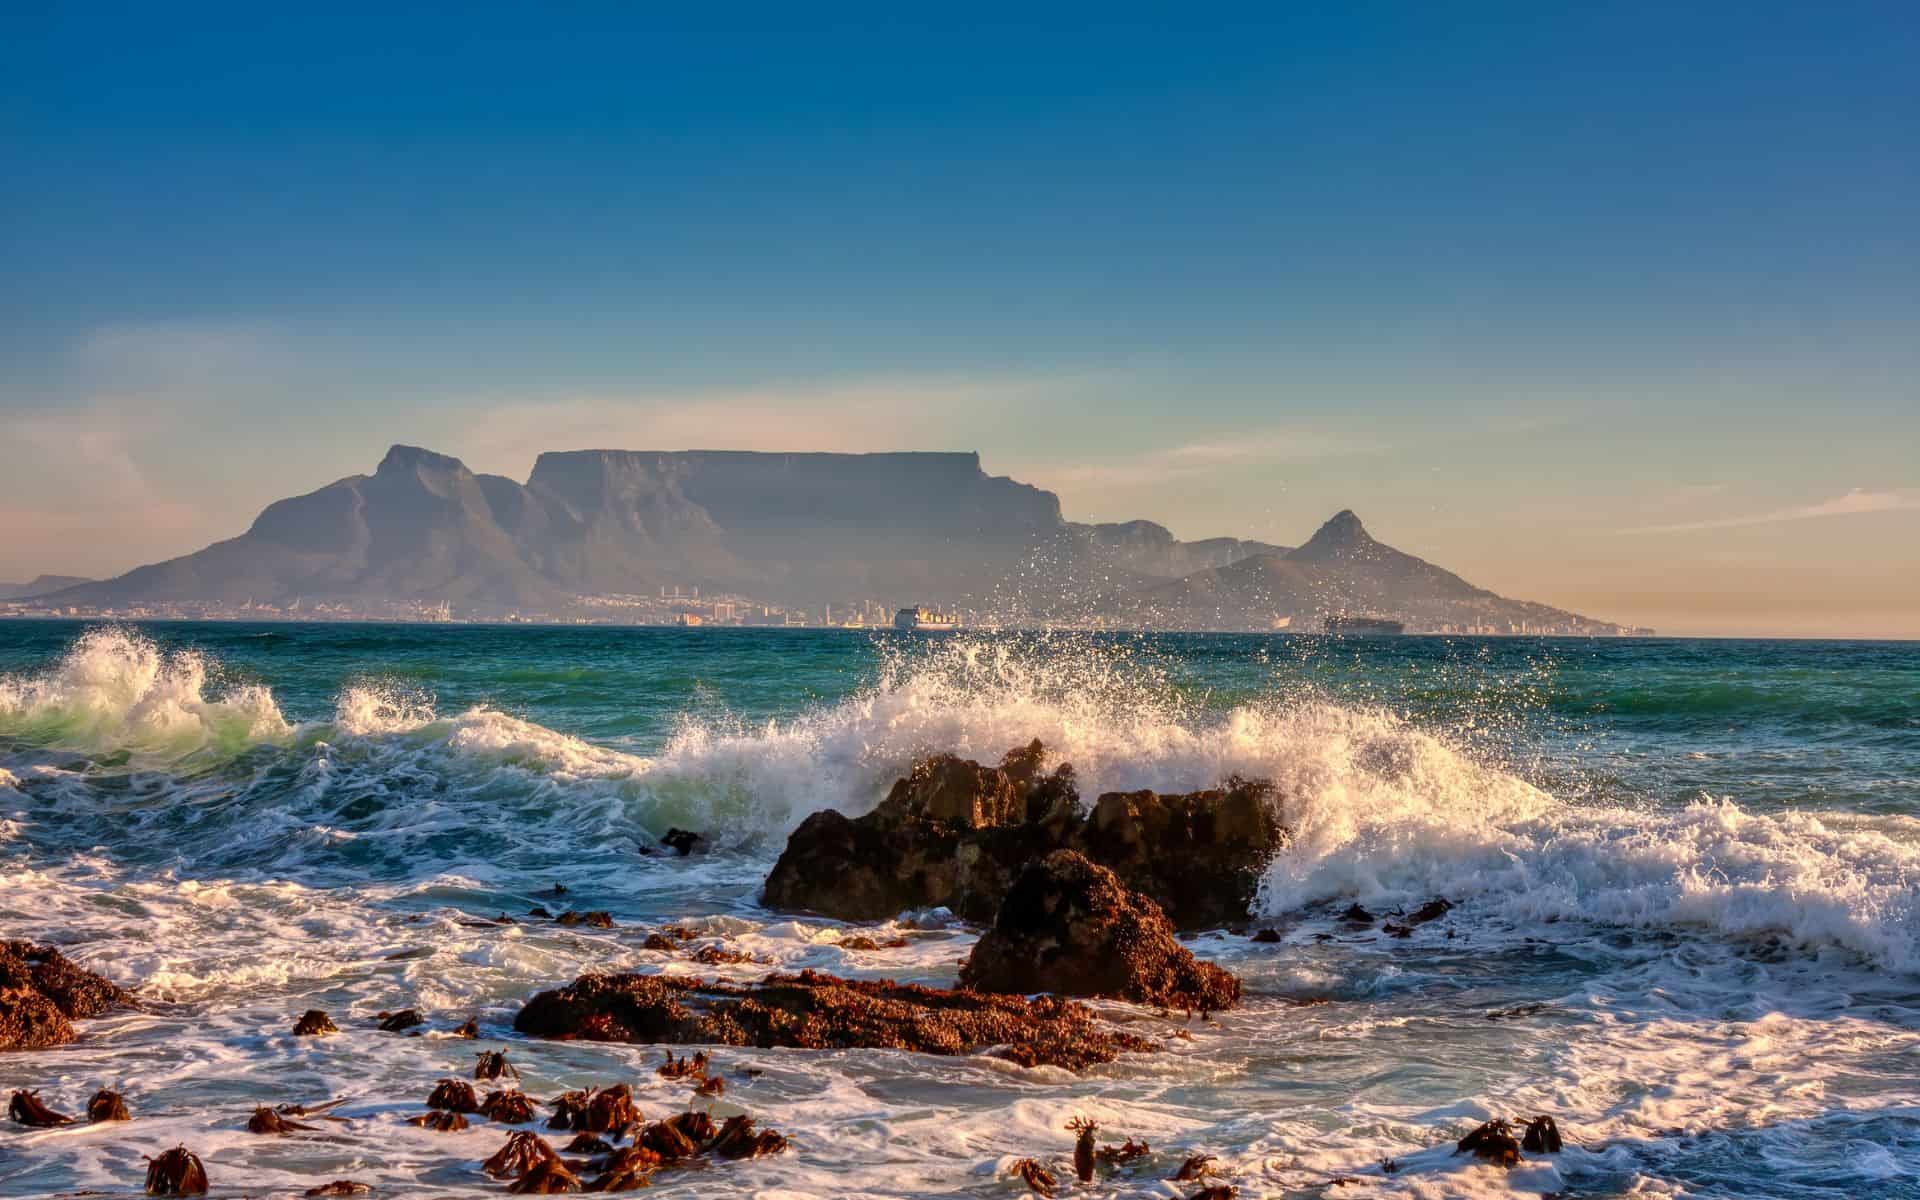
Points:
(1615, 307)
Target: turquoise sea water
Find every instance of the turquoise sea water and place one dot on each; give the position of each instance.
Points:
(1686, 877)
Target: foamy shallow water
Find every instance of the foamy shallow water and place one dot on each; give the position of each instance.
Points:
(1715, 994)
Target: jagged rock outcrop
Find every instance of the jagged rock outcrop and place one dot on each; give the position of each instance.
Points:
(955, 833)
(1069, 926)
(42, 993)
(816, 1011)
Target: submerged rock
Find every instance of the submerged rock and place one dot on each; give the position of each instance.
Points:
(816, 1011)
(42, 993)
(1070, 926)
(955, 834)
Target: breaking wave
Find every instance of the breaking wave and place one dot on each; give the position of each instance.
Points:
(1380, 810)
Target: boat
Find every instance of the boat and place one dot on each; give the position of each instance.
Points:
(1364, 627)
(921, 619)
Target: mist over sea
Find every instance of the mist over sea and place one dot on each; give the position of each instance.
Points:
(1686, 879)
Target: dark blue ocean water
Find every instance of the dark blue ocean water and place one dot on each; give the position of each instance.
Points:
(1685, 875)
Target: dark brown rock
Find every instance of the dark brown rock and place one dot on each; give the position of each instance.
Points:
(42, 993)
(1070, 927)
(682, 841)
(818, 1011)
(955, 833)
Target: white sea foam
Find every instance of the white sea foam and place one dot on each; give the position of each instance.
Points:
(115, 690)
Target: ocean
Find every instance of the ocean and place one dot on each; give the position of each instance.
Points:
(1685, 878)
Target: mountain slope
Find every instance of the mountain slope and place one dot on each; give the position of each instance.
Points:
(1341, 570)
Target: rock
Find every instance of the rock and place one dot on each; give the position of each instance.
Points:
(1357, 915)
(470, 1029)
(682, 841)
(340, 1187)
(1432, 910)
(107, 1105)
(1070, 927)
(955, 834)
(817, 1011)
(1266, 936)
(42, 993)
(314, 1023)
(178, 1172)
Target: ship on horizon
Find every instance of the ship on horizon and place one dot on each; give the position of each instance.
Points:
(921, 619)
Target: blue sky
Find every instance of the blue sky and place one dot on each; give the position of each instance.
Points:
(1612, 306)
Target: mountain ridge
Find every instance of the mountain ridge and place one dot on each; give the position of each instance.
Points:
(802, 529)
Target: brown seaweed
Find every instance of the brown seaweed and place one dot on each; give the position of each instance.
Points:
(454, 1095)
(440, 1121)
(493, 1064)
(25, 1107)
(510, 1106)
(265, 1120)
(737, 1139)
(178, 1172)
(401, 1021)
(1494, 1142)
(1199, 1166)
(107, 1105)
(694, 1064)
(547, 1177)
(1083, 1147)
(522, 1150)
(607, 1111)
(1037, 1178)
(339, 1187)
(1125, 1152)
(314, 1023)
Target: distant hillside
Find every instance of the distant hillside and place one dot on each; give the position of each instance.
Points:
(800, 530)
(40, 585)
(1341, 570)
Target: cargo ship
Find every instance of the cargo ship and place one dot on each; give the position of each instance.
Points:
(921, 619)
(1364, 627)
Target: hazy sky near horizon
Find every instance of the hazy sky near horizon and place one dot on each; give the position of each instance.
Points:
(1615, 307)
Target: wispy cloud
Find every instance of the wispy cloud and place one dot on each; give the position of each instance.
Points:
(1854, 503)
(1175, 463)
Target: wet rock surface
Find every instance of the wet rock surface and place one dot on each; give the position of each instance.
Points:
(1069, 926)
(812, 1010)
(42, 993)
(956, 833)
